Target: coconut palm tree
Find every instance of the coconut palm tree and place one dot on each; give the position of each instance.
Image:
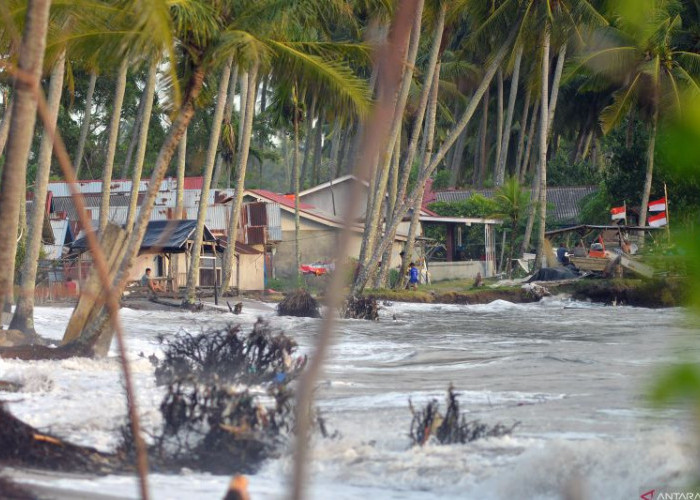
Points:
(29, 65)
(638, 53)
(511, 201)
(23, 318)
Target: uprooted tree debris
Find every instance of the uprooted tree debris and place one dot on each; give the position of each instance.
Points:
(361, 308)
(452, 428)
(299, 303)
(227, 407)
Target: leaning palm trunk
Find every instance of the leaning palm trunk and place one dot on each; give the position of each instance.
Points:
(372, 222)
(483, 136)
(5, 125)
(456, 162)
(295, 179)
(404, 205)
(99, 327)
(31, 57)
(112, 144)
(179, 203)
(310, 113)
(193, 271)
(23, 318)
(415, 217)
(148, 94)
(229, 254)
(85, 126)
(505, 141)
(530, 141)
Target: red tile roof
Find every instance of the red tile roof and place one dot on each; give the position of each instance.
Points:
(283, 199)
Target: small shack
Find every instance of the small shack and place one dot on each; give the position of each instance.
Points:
(166, 241)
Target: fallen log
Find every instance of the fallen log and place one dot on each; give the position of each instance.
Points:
(23, 445)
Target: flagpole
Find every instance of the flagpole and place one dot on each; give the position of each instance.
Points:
(624, 204)
(668, 219)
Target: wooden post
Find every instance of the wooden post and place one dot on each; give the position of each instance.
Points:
(216, 278)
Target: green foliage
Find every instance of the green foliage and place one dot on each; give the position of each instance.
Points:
(441, 179)
(474, 206)
(595, 208)
(562, 172)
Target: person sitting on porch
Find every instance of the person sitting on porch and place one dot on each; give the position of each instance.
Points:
(147, 280)
(413, 276)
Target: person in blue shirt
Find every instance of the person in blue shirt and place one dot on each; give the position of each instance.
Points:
(563, 255)
(413, 276)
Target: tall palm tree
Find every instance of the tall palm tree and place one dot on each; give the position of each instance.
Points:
(29, 65)
(23, 318)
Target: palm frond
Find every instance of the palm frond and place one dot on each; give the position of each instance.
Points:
(622, 100)
(333, 76)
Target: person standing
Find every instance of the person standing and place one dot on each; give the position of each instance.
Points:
(413, 276)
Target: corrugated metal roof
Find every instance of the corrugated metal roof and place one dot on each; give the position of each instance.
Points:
(565, 201)
(61, 188)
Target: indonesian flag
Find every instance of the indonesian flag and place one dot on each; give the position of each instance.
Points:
(658, 220)
(658, 205)
(618, 213)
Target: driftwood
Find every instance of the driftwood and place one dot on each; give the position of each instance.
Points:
(451, 428)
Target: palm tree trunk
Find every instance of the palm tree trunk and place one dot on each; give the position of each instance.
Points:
(112, 144)
(503, 158)
(193, 271)
(456, 164)
(5, 124)
(483, 135)
(295, 177)
(336, 143)
(23, 318)
(405, 203)
(650, 170)
(540, 259)
(229, 254)
(228, 110)
(523, 132)
(85, 125)
(499, 124)
(31, 57)
(179, 201)
(135, 128)
(243, 100)
(383, 275)
(318, 150)
(530, 142)
(310, 113)
(148, 94)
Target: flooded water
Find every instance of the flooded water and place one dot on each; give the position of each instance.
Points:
(573, 374)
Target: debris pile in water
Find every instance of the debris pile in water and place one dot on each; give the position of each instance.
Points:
(361, 308)
(299, 303)
(451, 428)
(227, 405)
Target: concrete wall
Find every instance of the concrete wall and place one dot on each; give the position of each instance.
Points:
(463, 269)
(334, 200)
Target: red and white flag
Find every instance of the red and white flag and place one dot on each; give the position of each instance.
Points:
(658, 205)
(658, 220)
(617, 213)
